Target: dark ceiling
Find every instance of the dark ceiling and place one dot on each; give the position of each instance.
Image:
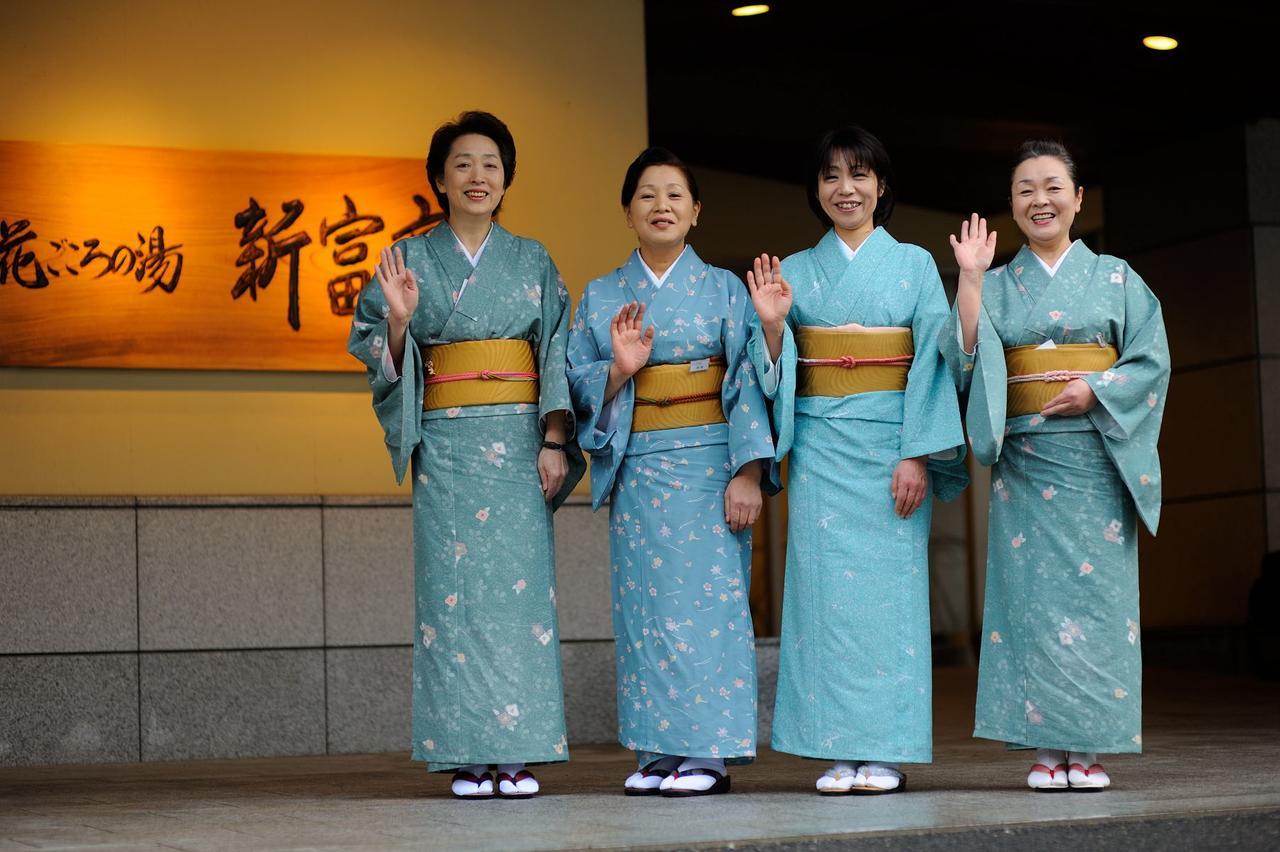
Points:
(950, 88)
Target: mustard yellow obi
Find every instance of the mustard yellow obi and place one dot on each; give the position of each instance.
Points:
(1038, 375)
(480, 372)
(669, 396)
(842, 363)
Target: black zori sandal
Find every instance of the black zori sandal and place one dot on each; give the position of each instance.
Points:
(720, 786)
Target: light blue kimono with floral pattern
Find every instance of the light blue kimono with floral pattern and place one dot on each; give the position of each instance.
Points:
(1061, 663)
(486, 657)
(854, 670)
(686, 662)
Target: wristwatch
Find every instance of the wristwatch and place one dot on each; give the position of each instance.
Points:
(552, 445)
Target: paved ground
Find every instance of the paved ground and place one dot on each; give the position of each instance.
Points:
(1209, 779)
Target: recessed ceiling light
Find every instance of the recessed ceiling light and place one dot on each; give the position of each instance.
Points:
(1158, 42)
(748, 11)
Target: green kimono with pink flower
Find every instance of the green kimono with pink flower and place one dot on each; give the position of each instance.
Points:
(1061, 662)
(486, 662)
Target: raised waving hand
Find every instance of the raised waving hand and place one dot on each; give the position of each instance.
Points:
(399, 286)
(976, 248)
(631, 341)
(770, 292)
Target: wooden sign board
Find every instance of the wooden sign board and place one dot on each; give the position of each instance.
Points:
(179, 259)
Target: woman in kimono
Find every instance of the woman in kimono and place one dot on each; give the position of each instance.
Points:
(863, 404)
(1064, 358)
(678, 433)
(463, 334)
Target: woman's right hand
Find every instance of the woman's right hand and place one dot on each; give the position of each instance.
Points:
(399, 287)
(770, 292)
(631, 341)
(976, 248)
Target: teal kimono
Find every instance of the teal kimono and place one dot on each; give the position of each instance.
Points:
(1061, 662)
(854, 670)
(486, 659)
(686, 661)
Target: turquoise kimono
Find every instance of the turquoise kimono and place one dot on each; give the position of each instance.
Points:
(686, 661)
(486, 658)
(854, 671)
(1061, 662)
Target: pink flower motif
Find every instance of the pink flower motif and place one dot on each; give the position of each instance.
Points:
(451, 601)
(1085, 568)
(483, 515)
(452, 412)
(520, 586)
(1018, 540)
(1055, 315)
(1152, 399)
(1035, 420)
(1049, 493)
(738, 683)
(459, 549)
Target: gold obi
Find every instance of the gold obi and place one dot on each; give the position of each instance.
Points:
(1038, 375)
(480, 372)
(842, 363)
(669, 396)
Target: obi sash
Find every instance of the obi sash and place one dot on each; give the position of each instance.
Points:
(669, 396)
(1038, 375)
(842, 363)
(480, 372)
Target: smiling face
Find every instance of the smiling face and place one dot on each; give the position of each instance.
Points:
(1045, 201)
(848, 193)
(473, 176)
(662, 210)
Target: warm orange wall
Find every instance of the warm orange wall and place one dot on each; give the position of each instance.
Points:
(321, 76)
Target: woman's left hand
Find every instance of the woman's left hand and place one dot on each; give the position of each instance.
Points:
(553, 467)
(1076, 398)
(909, 485)
(742, 499)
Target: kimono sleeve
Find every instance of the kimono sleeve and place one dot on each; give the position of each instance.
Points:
(553, 383)
(931, 412)
(1131, 399)
(603, 427)
(984, 376)
(782, 393)
(741, 395)
(397, 403)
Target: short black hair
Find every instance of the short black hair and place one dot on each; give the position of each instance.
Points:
(1033, 148)
(655, 157)
(859, 148)
(473, 121)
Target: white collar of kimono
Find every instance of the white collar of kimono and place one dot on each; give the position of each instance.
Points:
(1053, 270)
(474, 258)
(653, 276)
(850, 253)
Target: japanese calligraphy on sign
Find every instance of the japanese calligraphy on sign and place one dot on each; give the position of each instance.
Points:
(148, 257)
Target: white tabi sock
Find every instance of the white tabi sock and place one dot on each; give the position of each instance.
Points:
(638, 780)
(697, 782)
(525, 785)
(878, 774)
(839, 777)
(1051, 759)
(470, 788)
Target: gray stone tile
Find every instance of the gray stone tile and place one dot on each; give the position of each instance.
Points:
(582, 572)
(232, 704)
(368, 575)
(225, 500)
(68, 580)
(405, 499)
(68, 709)
(70, 501)
(591, 714)
(229, 578)
(369, 693)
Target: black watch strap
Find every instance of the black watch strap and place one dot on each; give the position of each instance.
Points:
(552, 445)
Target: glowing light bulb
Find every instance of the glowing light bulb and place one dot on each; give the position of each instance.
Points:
(1159, 42)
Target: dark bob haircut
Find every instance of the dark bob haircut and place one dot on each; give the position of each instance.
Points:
(482, 124)
(858, 148)
(1033, 148)
(655, 157)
